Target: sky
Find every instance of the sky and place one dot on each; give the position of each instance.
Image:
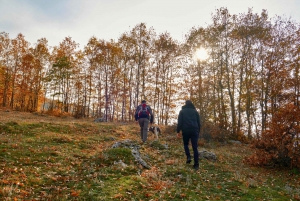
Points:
(108, 19)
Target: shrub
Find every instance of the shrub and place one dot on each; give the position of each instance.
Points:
(211, 131)
(277, 145)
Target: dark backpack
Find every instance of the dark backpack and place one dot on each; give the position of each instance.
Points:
(144, 111)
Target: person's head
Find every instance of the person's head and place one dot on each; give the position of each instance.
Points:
(143, 101)
(188, 102)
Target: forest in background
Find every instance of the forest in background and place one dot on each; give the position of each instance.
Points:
(248, 86)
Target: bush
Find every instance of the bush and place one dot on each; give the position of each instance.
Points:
(57, 113)
(211, 131)
(277, 146)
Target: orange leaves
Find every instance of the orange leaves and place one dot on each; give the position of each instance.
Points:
(155, 180)
(75, 193)
(148, 195)
(159, 185)
(297, 197)
(276, 146)
(9, 188)
(171, 162)
(154, 172)
(18, 183)
(4, 181)
(182, 195)
(24, 193)
(117, 196)
(15, 146)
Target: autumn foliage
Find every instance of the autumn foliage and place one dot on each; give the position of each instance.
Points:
(279, 145)
(241, 90)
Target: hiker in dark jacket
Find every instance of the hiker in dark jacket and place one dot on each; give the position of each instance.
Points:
(143, 114)
(189, 124)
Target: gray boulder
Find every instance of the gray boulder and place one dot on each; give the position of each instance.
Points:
(207, 155)
(134, 151)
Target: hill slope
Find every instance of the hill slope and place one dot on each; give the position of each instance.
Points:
(51, 158)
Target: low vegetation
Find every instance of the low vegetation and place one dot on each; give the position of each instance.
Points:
(61, 158)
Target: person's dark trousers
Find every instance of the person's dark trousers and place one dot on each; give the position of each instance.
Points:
(194, 136)
(144, 122)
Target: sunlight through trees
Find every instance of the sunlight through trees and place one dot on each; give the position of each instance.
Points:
(246, 69)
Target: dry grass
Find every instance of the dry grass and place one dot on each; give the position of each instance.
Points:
(25, 117)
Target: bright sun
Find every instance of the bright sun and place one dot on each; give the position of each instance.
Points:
(201, 54)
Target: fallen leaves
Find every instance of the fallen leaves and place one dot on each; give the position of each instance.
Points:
(171, 161)
(72, 166)
(75, 193)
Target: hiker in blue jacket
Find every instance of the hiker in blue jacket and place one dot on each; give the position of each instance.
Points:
(189, 124)
(143, 115)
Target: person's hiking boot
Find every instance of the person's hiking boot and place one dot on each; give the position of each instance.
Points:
(196, 166)
(188, 160)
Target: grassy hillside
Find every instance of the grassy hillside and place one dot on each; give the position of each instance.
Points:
(55, 158)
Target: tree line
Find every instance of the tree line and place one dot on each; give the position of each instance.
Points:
(251, 73)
